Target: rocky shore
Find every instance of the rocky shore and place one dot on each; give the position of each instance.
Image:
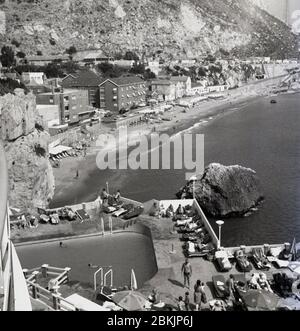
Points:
(226, 191)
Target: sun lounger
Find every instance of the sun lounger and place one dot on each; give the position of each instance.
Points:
(260, 260)
(242, 262)
(119, 212)
(220, 287)
(83, 215)
(135, 212)
(184, 222)
(54, 219)
(223, 261)
(281, 263)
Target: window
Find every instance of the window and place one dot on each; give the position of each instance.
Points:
(74, 97)
(51, 100)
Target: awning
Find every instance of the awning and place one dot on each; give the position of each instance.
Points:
(59, 149)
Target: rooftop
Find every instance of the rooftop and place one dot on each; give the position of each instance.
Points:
(82, 78)
(47, 57)
(179, 78)
(126, 80)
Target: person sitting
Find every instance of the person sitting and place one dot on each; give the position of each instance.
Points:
(154, 211)
(154, 297)
(104, 197)
(286, 253)
(117, 197)
(263, 283)
(183, 194)
(218, 306)
(181, 304)
(170, 211)
(162, 211)
(254, 284)
(179, 211)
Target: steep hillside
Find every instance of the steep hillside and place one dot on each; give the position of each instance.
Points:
(167, 27)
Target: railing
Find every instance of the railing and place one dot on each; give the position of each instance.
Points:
(103, 277)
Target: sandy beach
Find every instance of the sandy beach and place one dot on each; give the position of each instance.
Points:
(181, 119)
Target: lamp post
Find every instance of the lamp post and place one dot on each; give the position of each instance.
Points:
(220, 223)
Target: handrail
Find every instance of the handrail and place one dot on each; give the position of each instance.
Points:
(3, 190)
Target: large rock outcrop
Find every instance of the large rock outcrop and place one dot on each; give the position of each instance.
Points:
(31, 179)
(225, 191)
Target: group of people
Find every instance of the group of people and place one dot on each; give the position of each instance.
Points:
(105, 197)
(260, 282)
(199, 289)
(24, 222)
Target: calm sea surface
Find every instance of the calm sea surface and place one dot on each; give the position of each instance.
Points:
(261, 136)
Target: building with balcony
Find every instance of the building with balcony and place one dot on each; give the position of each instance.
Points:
(73, 104)
(122, 93)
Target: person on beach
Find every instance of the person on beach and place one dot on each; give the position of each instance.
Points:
(187, 301)
(198, 295)
(104, 197)
(231, 287)
(186, 270)
(117, 197)
(181, 304)
(77, 174)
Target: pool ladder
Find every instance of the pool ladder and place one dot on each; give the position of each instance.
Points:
(104, 277)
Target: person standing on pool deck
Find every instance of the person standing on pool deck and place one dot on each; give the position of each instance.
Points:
(186, 269)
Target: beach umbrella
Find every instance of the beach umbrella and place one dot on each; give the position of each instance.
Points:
(260, 300)
(130, 300)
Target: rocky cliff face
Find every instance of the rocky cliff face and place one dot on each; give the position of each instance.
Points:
(169, 28)
(227, 191)
(31, 179)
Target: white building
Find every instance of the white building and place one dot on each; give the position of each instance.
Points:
(33, 78)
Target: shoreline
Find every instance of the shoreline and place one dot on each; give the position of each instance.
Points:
(182, 120)
(205, 113)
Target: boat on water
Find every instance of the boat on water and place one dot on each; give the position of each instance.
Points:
(273, 101)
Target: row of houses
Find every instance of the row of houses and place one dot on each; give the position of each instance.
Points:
(74, 99)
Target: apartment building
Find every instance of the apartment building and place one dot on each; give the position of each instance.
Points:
(73, 104)
(122, 93)
(85, 80)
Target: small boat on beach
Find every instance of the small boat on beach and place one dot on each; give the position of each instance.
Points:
(273, 101)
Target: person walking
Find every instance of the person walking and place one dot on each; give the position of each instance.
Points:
(198, 295)
(186, 270)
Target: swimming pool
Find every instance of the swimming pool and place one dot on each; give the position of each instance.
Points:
(123, 251)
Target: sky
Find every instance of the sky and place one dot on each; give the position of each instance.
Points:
(278, 8)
